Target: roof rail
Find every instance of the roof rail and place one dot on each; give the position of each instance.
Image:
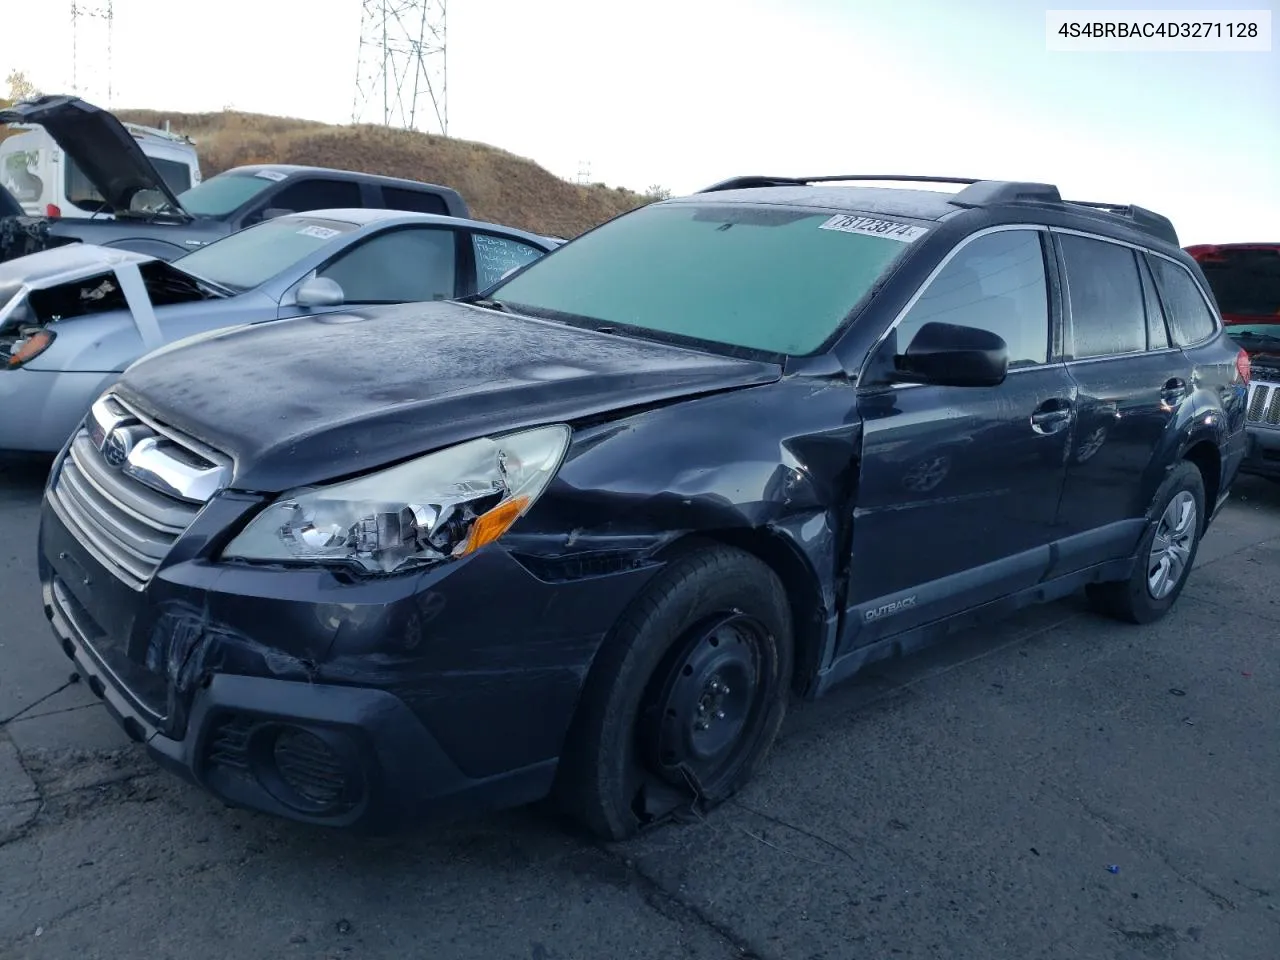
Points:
(752, 182)
(1140, 217)
(987, 193)
(976, 193)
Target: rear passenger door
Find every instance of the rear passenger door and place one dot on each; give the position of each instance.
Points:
(1131, 381)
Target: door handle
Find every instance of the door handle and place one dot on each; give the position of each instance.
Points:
(1050, 416)
(1173, 390)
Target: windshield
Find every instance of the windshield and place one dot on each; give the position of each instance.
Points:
(1246, 283)
(253, 256)
(770, 279)
(220, 195)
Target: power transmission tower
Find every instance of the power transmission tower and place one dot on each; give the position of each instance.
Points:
(402, 73)
(100, 13)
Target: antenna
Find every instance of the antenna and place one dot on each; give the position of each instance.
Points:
(402, 70)
(98, 13)
(584, 172)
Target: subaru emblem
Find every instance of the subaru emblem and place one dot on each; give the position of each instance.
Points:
(116, 447)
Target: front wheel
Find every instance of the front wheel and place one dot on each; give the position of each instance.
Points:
(1165, 555)
(684, 699)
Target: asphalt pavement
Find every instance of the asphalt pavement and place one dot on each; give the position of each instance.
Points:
(1059, 786)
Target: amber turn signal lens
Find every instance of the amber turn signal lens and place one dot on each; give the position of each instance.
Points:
(31, 348)
(490, 526)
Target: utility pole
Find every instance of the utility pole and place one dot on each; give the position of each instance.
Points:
(402, 70)
(100, 13)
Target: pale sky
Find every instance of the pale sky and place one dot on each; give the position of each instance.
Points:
(686, 93)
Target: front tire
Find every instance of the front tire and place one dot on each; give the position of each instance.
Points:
(1165, 555)
(684, 699)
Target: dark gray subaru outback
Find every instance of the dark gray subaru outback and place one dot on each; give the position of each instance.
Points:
(584, 534)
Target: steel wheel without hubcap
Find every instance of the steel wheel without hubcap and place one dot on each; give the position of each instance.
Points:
(706, 704)
(1171, 548)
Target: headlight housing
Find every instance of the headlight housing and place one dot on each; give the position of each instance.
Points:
(444, 505)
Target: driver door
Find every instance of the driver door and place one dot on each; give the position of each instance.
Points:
(959, 486)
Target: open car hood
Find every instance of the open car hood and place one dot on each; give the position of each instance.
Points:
(100, 146)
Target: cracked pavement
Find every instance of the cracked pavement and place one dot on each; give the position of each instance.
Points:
(1055, 786)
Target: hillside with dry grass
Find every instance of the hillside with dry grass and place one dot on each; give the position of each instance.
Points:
(497, 185)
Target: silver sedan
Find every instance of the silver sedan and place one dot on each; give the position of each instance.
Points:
(72, 318)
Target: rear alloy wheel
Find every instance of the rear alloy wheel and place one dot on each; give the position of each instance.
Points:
(1165, 555)
(684, 699)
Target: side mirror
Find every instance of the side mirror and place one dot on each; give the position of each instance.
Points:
(319, 292)
(272, 212)
(949, 355)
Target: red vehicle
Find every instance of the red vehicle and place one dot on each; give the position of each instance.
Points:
(1245, 279)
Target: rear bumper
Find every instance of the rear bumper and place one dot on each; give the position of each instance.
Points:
(1262, 455)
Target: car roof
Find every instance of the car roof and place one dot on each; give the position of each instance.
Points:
(365, 216)
(918, 204)
(292, 169)
(850, 194)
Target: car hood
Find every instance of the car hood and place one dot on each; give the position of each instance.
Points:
(311, 399)
(98, 143)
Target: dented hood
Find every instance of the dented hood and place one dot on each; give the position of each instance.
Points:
(99, 144)
(311, 399)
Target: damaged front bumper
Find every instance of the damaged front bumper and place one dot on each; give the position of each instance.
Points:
(358, 704)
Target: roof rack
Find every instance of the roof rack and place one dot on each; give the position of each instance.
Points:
(752, 182)
(976, 193)
(1141, 217)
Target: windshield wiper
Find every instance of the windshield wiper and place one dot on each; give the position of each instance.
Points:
(485, 303)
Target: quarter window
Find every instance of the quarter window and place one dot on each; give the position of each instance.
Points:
(1104, 291)
(994, 283)
(497, 256)
(1190, 319)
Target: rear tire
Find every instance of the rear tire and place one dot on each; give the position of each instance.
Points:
(1165, 555)
(684, 699)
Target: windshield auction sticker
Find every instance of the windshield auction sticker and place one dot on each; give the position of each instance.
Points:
(320, 233)
(870, 227)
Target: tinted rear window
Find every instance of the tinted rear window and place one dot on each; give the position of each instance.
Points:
(770, 279)
(1245, 283)
(1190, 319)
(413, 201)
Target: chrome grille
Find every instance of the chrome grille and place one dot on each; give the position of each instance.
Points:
(129, 488)
(1264, 403)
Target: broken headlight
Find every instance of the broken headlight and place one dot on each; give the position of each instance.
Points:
(446, 504)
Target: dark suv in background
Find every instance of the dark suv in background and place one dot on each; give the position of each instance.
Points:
(147, 217)
(1245, 279)
(586, 532)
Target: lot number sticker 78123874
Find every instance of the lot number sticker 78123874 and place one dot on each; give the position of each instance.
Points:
(871, 227)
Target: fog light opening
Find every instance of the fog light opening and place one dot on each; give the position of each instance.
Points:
(311, 771)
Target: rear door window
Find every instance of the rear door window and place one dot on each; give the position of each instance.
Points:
(1190, 319)
(1104, 291)
(413, 201)
(498, 256)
